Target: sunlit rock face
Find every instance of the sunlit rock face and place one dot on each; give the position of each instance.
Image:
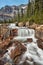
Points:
(27, 24)
(20, 24)
(39, 32)
(24, 49)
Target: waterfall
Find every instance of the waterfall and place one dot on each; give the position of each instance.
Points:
(24, 33)
(33, 51)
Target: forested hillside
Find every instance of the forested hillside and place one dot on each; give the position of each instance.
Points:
(35, 11)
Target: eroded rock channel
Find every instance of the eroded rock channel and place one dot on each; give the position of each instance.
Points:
(21, 48)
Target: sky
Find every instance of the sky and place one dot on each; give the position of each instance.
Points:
(12, 2)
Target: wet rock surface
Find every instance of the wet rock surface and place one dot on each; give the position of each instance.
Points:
(40, 43)
(24, 49)
(29, 40)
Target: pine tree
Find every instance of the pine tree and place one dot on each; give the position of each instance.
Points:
(18, 19)
(22, 12)
(29, 9)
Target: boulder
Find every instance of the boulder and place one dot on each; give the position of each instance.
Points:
(39, 32)
(29, 40)
(1, 62)
(33, 26)
(14, 32)
(40, 43)
(17, 52)
(27, 24)
(5, 43)
(20, 24)
(7, 63)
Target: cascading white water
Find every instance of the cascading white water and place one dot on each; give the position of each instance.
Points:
(6, 56)
(24, 33)
(33, 51)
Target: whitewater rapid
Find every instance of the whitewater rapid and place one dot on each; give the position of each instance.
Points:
(33, 51)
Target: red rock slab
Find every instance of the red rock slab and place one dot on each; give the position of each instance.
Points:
(29, 40)
(4, 43)
(1, 37)
(14, 31)
(17, 51)
(1, 62)
(39, 38)
(40, 44)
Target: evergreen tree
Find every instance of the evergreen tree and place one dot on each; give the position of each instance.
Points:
(18, 19)
(29, 9)
(22, 13)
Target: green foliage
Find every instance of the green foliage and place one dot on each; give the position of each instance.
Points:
(37, 17)
(18, 18)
